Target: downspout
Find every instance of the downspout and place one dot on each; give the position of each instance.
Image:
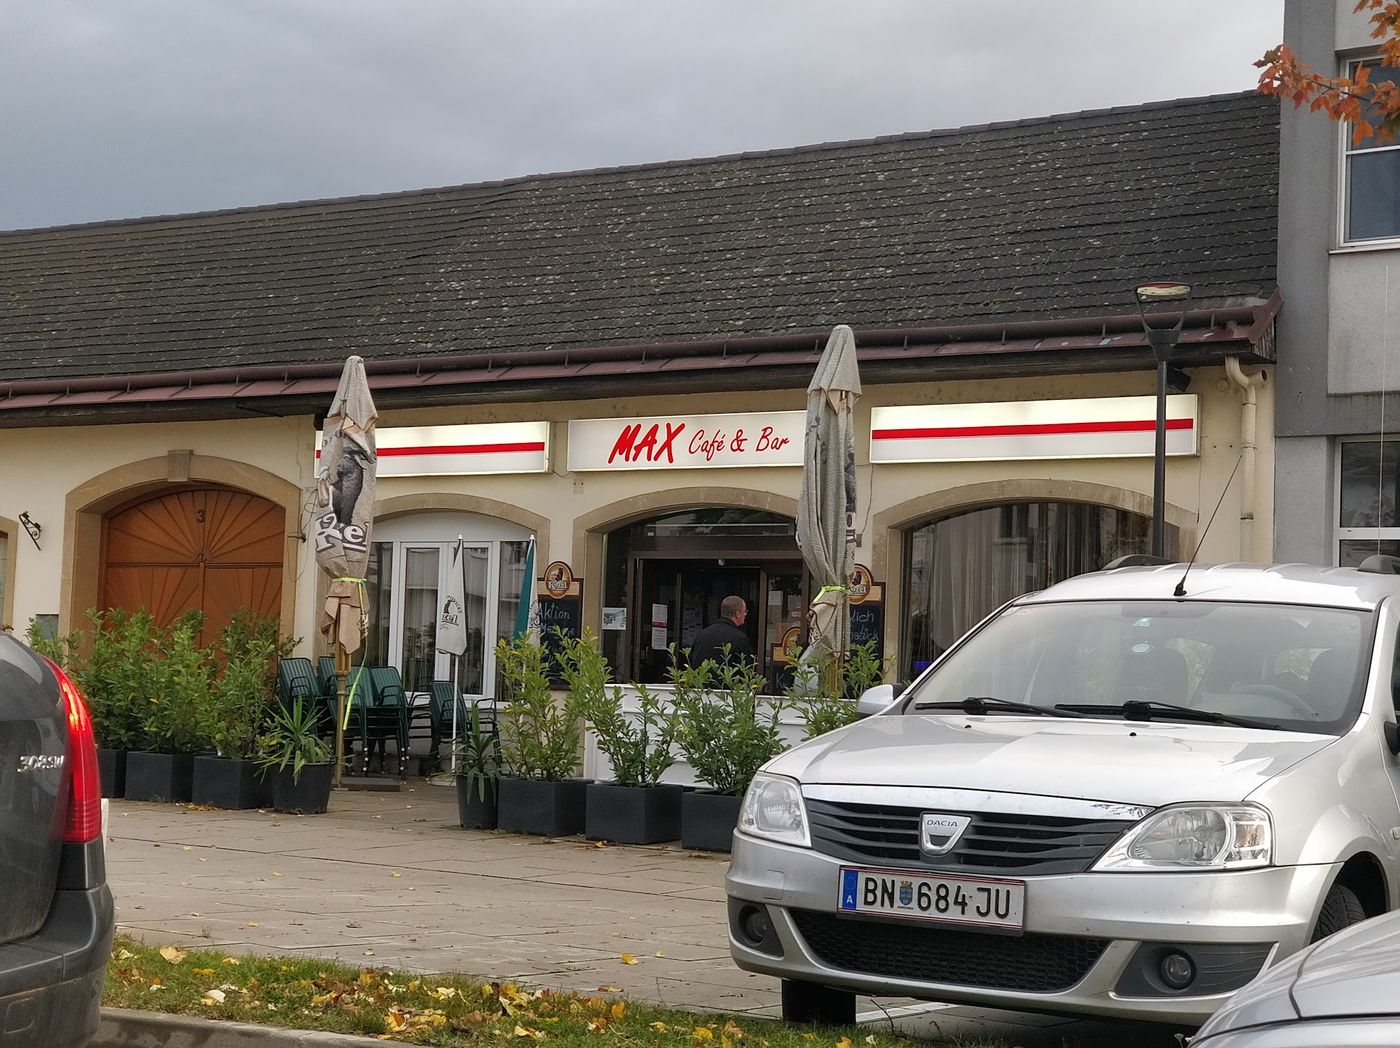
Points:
(1248, 385)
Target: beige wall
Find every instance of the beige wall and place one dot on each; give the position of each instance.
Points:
(53, 473)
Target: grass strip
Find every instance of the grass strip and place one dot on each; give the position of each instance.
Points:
(451, 1010)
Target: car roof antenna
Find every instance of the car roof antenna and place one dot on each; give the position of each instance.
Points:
(1180, 590)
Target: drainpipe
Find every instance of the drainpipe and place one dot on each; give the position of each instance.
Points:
(1248, 386)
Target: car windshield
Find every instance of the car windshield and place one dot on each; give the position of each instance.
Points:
(1271, 665)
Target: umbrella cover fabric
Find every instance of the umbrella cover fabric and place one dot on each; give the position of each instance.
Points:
(345, 505)
(826, 509)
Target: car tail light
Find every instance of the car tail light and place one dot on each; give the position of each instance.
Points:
(84, 821)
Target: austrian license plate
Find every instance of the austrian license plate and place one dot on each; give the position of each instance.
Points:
(980, 901)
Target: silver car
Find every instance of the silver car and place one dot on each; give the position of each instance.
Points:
(1341, 993)
(1122, 796)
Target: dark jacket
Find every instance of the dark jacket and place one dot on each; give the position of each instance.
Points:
(709, 643)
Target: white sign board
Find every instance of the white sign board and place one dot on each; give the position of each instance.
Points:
(1099, 427)
(766, 438)
(442, 451)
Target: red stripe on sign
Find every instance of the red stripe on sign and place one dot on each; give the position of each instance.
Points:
(1029, 429)
(466, 449)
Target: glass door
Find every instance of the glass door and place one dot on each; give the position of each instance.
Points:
(407, 582)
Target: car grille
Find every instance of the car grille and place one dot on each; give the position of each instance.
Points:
(929, 953)
(993, 843)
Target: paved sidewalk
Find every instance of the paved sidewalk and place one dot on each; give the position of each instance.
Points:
(390, 879)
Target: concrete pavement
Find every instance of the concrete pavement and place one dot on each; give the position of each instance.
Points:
(390, 879)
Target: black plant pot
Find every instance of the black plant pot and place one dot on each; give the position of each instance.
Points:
(475, 812)
(111, 767)
(633, 814)
(708, 820)
(221, 782)
(159, 776)
(546, 809)
(308, 795)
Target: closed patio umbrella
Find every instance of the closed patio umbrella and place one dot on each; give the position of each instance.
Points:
(826, 508)
(344, 514)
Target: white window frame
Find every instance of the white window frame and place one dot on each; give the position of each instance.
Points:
(1339, 533)
(1347, 151)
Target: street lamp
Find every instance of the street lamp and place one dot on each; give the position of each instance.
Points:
(1163, 340)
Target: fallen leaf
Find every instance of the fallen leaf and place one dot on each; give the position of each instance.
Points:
(253, 924)
(659, 1026)
(610, 989)
(171, 954)
(276, 874)
(618, 1010)
(212, 997)
(870, 1039)
(187, 848)
(396, 873)
(232, 960)
(700, 1033)
(844, 1042)
(203, 972)
(597, 1025)
(124, 954)
(600, 844)
(627, 958)
(369, 953)
(660, 954)
(521, 1031)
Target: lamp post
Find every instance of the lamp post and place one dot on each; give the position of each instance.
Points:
(1163, 340)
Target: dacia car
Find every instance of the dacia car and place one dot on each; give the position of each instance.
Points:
(1123, 796)
(57, 921)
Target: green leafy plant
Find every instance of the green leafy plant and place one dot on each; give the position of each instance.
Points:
(823, 711)
(291, 740)
(640, 746)
(181, 675)
(725, 729)
(478, 757)
(234, 709)
(540, 735)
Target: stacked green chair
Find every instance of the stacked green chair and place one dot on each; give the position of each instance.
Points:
(441, 699)
(296, 679)
(387, 715)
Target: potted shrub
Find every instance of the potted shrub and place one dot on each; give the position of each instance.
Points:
(634, 808)
(821, 710)
(114, 672)
(726, 730)
(234, 712)
(296, 760)
(540, 740)
(180, 674)
(477, 757)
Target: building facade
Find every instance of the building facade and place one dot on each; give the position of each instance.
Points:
(615, 364)
(1339, 264)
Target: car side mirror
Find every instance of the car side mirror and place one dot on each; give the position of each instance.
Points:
(879, 698)
(1392, 736)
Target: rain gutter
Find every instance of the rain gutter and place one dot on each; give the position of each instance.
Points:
(1105, 341)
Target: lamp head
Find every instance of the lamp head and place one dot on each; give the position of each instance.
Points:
(1161, 291)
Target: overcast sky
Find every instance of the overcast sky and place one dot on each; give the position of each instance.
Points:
(120, 108)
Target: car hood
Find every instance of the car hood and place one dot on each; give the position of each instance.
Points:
(1132, 762)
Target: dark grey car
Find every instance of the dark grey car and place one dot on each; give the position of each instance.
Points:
(57, 918)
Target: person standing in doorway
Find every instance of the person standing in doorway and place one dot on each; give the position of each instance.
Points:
(726, 632)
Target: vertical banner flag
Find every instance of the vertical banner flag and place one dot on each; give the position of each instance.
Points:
(525, 616)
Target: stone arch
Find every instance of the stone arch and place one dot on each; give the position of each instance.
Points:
(887, 526)
(439, 502)
(87, 504)
(590, 527)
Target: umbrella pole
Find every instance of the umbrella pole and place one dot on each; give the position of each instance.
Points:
(456, 701)
(342, 681)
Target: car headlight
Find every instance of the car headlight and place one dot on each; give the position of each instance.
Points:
(773, 808)
(1195, 837)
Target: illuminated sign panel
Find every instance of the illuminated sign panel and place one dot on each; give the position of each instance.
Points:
(762, 438)
(441, 451)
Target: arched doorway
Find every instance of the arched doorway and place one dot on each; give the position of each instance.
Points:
(206, 548)
(665, 576)
(962, 566)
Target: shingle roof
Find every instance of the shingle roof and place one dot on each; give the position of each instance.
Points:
(1049, 218)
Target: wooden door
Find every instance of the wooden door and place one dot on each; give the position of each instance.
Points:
(199, 548)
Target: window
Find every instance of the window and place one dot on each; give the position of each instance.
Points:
(960, 568)
(1372, 176)
(1366, 517)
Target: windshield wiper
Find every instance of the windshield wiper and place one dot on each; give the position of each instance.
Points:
(982, 704)
(1150, 709)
